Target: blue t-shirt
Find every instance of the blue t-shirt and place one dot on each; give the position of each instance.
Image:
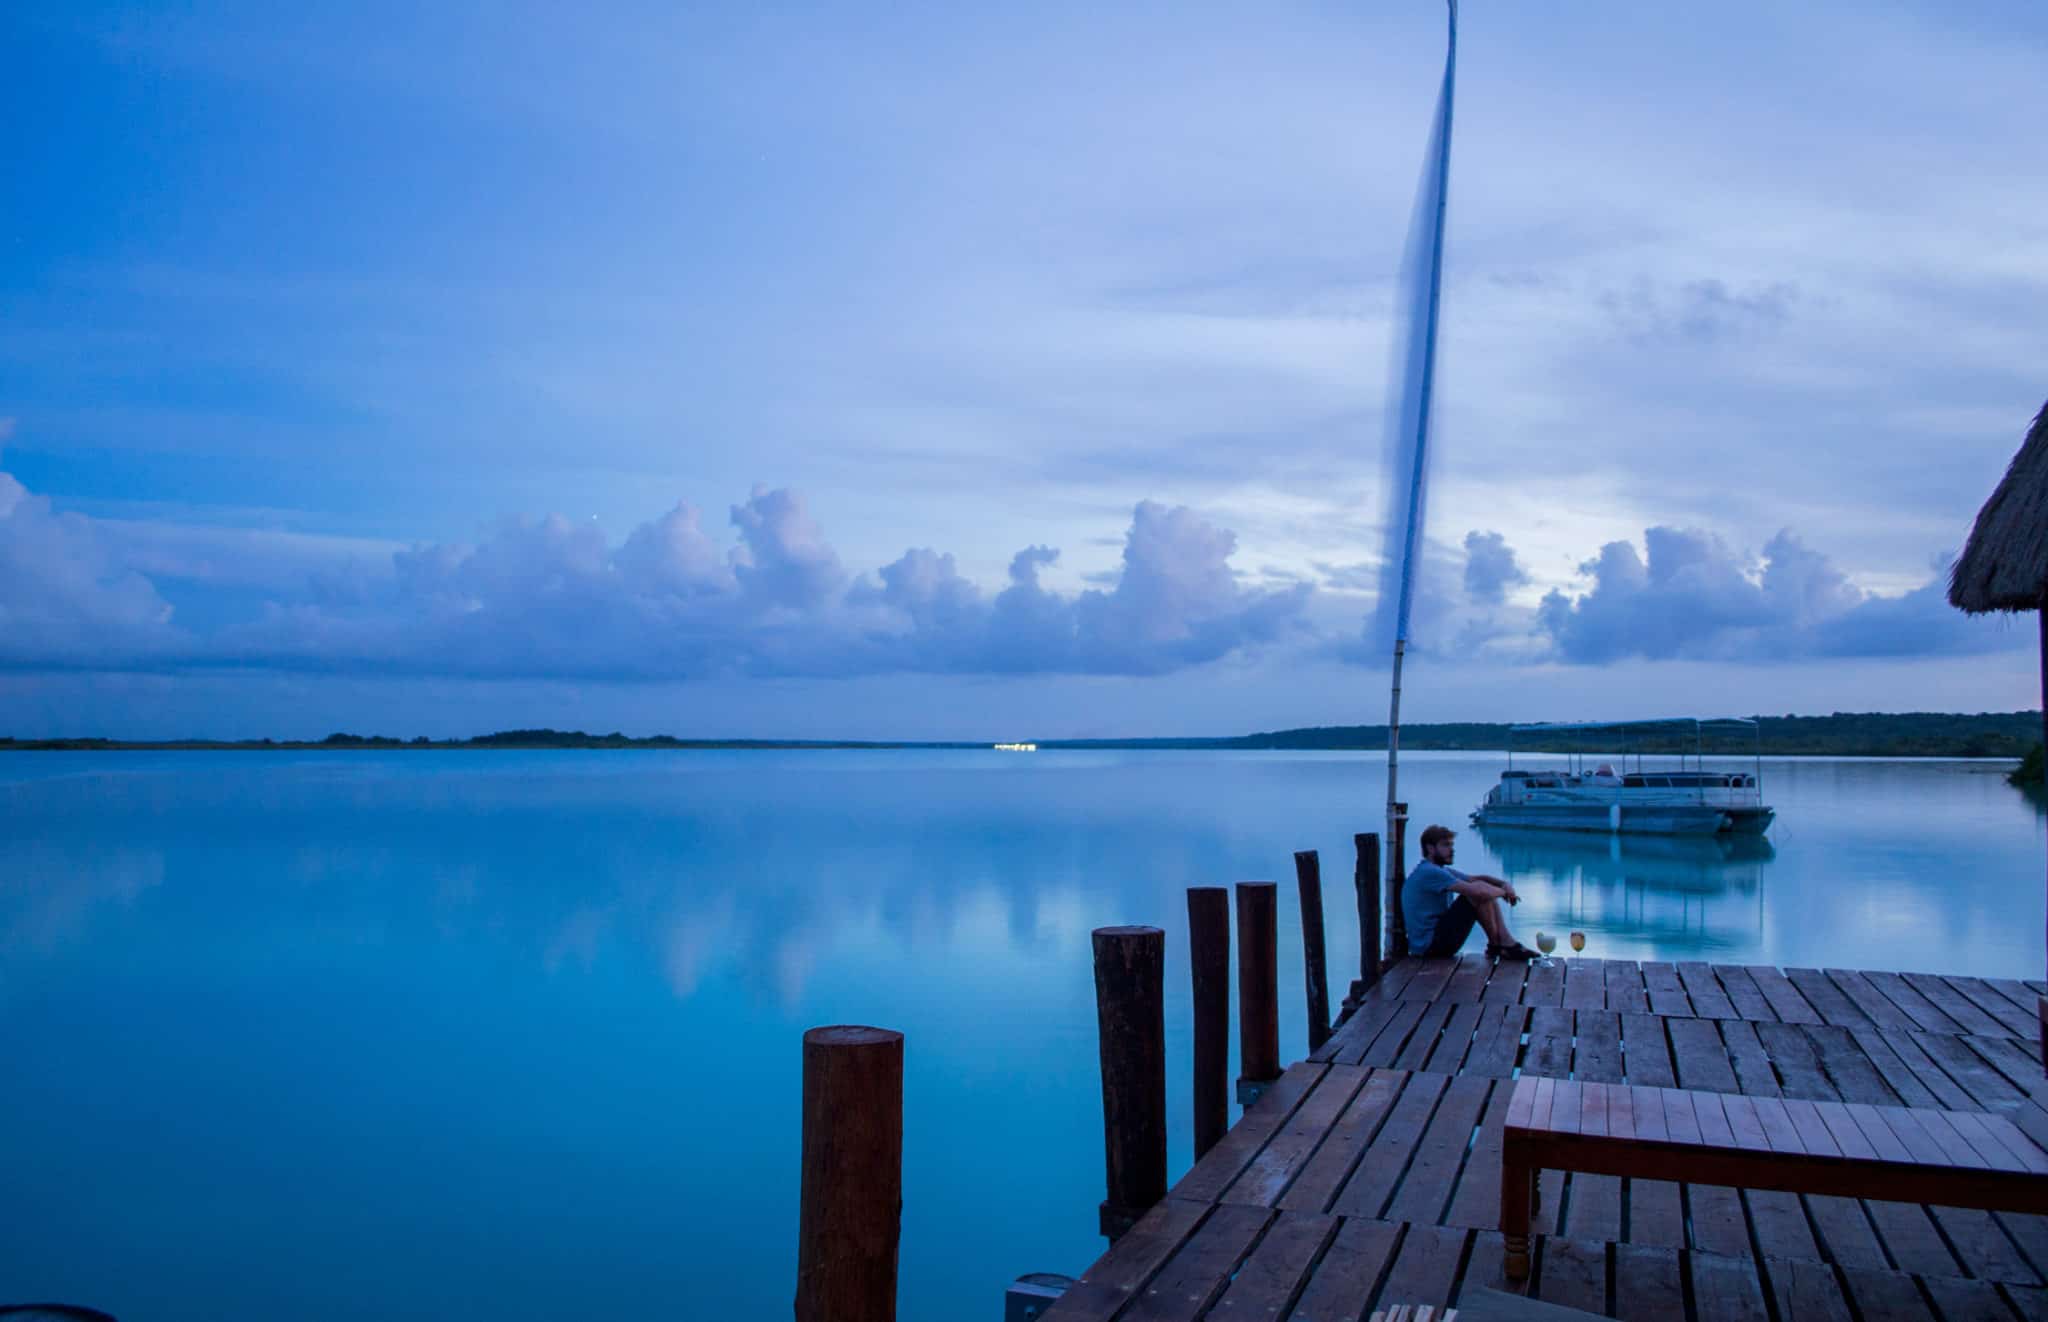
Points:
(1425, 896)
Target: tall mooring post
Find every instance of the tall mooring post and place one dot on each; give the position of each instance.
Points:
(1308, 880)
(1365, 885)
(1130, 1011)
(851, 1211)
(1258, 988)
(1209, 966)
(1397, 871)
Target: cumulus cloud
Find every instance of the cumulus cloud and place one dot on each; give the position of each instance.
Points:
(551, 597)
(1491, 568)
(65, 598)
(1688, 595)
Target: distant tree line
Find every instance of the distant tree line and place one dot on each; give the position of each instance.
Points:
(1844, 734)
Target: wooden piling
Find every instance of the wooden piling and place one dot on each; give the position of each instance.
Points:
(1397, 871)
(1209, 964)
(1365, 880)
(1258, 990)
(1130, 1011)
(1308, 881)
(852, 1195)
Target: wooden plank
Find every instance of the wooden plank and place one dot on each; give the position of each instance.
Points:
(1597, 1054)
(1497, 1042)
(1201, 1268)
(1550, 1043)
(1850, 1070)
(1826, 999)
(1269, 1279)
(1969, 1017)
(1990, 1088)
(1448, 1056)
(2030, 1304)
(2017, 1021)
(1468, 979)
(1719, 1222)
(1332, 1164)
(1796, 1062)
(1725, 1288)
(1744, 1125)
(1666, 992)
(1476, 1203)
(1426, 1268)
(1423, 1040)
(1807, 1292)
(1871, 1001)
(1715, 1131)
(1545, 985)
(1995, 1153)
(1593, 1208)
(1120, 1274)
(1845, 1232)
(1885, 1296)
(1387, 1043)
(1241, 1142)
(1573, 1274)
(1372, 1185)
(1743, 993)
(1911, 1239)
(1267, 1175)
(2019, 1062)
(1750, 1059)
(1427, 1187)
(1986, 1251)
(1780, 1132)
(1780, 1224)
(1908, 1070)
(1506, 985)
(1967, 1301)
(1925, 1014)
(1645, 1051)
(1349, 1274)
(1656, 1214)
(1431, 977)
(1585, 984)
(1813, 1132)
(1704, 991)
(2020, 1145)
(1625, 991)
(1647, 1285)
(1701, 1056)
(1348, 1045)
(1784, 998)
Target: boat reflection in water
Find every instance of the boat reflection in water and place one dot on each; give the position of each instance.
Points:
(1664, 896)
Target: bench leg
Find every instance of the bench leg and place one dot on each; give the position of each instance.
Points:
(1517, 1200)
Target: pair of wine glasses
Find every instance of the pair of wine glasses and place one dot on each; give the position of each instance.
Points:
(1547, 941)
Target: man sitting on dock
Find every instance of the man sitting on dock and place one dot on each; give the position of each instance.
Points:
(1440, 904)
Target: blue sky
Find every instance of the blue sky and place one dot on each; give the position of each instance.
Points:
(980, 371)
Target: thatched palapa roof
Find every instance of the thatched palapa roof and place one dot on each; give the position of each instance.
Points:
(2005, 565)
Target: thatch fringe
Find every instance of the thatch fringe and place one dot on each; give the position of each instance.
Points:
(2005, 565)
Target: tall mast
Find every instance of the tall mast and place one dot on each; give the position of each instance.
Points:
(1417, 390)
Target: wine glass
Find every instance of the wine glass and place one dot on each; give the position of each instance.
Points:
(1546, 942)
(1578, 940)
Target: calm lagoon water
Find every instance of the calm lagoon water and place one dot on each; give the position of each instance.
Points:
(508, 1035)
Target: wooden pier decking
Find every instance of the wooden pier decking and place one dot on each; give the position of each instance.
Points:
(1369, 1175)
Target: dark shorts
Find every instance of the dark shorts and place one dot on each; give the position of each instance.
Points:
(1452, 928)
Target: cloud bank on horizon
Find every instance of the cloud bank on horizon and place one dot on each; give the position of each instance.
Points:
(1740, 326)
(552, 598)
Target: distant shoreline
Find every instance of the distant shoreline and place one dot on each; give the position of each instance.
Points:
(1842, 734)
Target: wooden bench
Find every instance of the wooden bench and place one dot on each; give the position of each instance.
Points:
(1899, 1153)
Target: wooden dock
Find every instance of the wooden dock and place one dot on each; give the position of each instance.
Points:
(1369, 1175)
